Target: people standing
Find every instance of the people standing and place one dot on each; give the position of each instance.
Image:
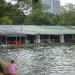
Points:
(12, 68)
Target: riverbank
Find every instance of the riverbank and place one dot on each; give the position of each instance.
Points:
(4, 64)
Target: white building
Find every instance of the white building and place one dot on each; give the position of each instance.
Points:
(50, 6)
(53, 6)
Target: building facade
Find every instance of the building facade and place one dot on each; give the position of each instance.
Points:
(50, 6)
(28, 34)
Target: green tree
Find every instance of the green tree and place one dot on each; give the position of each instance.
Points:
(38, 18)
(2, 7)
(10, 11)
(24, 5)
(6, 20)
(67, 16)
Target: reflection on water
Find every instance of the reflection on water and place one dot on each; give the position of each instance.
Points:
(51, 60)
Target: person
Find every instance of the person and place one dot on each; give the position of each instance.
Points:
(1, 69)
(12, 68)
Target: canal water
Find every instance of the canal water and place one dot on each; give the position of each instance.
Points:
(50, 60)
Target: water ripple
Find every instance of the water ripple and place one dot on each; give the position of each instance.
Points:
(51, 60)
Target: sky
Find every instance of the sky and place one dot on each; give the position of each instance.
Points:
(63, 2)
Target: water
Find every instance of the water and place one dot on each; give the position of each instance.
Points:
(50, 60)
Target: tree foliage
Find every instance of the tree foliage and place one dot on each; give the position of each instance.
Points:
(67, 16)
(8, 12)
(6, 20)
(18, 14)
(37, 18)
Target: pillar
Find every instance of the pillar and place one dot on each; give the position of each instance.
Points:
(73, 38)
(25, 39)
(38, 39)
(6, 40)
(16, 40)
(62, 39)
(49, 39)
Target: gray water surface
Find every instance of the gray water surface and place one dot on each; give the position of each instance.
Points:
(50, 60)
